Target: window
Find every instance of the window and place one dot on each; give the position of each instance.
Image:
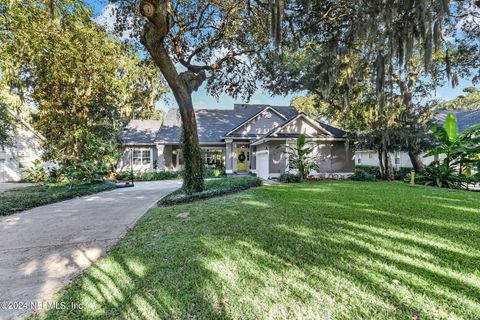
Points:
(397, 160)
(141, 157)
(370, 155)
(359, 160)
(214, 157)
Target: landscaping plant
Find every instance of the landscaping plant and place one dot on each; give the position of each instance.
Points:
(461, 151)
(300, 157)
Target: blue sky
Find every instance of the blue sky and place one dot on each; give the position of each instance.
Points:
(202, 100)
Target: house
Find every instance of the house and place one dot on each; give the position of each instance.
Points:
(248, 139)
(400, 159)
(25, 149)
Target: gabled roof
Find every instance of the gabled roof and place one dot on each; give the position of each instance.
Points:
(465, 118)
(327, 129)
(141, 131)
(269, 108)
(213, 124)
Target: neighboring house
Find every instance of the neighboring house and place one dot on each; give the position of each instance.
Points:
(248, 139)
(25, 149)
(465, 119)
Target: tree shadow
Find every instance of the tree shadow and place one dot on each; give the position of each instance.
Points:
(275, 253)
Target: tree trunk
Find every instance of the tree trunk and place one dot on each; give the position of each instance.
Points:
(417, 162)
(182, 86)
(380, 161)
(389, 175)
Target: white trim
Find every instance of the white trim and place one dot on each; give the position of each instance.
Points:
(254, 116)
(228, 171)
(303, 115)
(178, 143)
(253, 171)
(256, 143)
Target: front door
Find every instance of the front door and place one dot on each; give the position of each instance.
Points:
(243, 158)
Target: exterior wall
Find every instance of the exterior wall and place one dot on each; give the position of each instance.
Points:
(260, 125)
(25, 150)
(125, 161)
(229, 155)
(277, 158)
(300, 126)
(399, 159)
(335, 159)
(253, 158)
(342, 157)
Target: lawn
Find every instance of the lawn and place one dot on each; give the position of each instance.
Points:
(326, 250)
(19, 199)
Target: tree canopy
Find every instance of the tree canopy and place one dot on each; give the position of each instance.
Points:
(82, 83)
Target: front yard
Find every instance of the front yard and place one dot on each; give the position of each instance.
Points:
(327, 250)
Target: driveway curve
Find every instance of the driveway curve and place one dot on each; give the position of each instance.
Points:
(42, 249)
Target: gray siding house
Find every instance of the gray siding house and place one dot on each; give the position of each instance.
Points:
(248, 139)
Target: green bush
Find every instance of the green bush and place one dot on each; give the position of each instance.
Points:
(368, 169)
(289, 178)
(149, 176)
(402, 173)
(213, 188)
(215, 172)
(36, 173)
(362, 175)
(440, 175)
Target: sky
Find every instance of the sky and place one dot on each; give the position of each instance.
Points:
(202, 100)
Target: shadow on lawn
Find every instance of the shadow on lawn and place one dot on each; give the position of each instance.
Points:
(331, 257)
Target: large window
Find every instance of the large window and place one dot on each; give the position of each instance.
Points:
(141, 157)
(214, 157)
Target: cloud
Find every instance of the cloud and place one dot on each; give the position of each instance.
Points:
(107, 19)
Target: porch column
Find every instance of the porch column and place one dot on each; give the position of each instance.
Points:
(161, 156)
(229, 156)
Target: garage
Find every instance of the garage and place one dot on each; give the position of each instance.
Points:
(262, 164)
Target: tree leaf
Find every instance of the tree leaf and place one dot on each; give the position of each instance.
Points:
(451, 127)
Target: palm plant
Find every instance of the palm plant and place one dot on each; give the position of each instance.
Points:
(461, 150)
(300, 157)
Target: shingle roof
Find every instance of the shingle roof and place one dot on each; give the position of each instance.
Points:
(465, 118)
(213, 124)
(141, 131)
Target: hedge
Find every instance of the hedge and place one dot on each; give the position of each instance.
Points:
(213, 188)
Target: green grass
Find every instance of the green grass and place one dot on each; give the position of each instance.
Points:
(213, 188)
(14, 200)
(326, 250)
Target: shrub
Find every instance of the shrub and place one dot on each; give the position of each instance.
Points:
(214, 172)
(289, 178)
(369, 169)
(36, 173)
(402, 173)
(149, 176)
(362, 175)
(440, 175)
(213, 188)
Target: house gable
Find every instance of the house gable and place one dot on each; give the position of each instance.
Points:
(301, 124)
(260, 124)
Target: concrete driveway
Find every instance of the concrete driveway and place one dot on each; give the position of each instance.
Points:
(42, 249)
